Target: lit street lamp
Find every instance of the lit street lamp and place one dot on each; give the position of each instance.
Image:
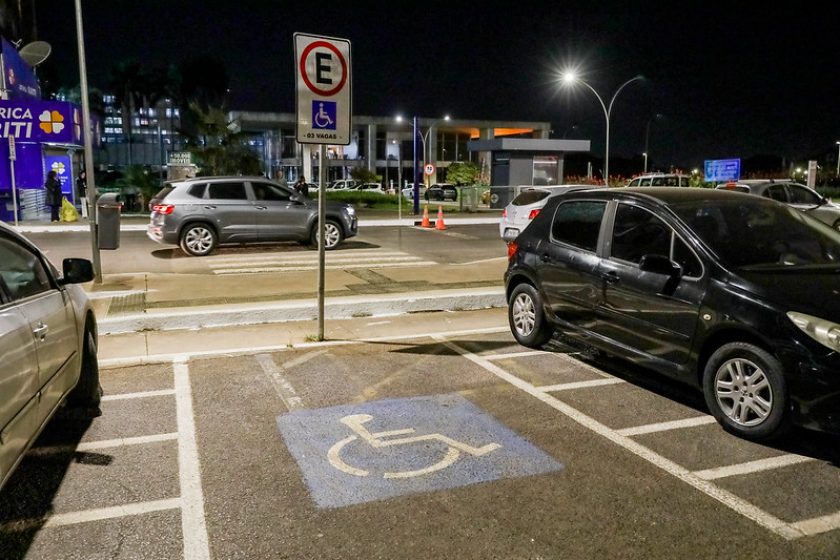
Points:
(645, 169)
(570, 78)
(418, 170)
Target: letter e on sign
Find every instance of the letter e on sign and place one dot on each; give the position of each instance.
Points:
(323, 78)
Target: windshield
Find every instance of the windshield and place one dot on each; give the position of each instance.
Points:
(756, 234)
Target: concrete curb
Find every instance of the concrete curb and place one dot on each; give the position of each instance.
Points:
(302, 310)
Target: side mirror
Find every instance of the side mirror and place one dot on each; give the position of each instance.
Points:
(660, 264)
(76, 271)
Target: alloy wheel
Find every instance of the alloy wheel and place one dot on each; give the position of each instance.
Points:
(524, 314)
(199, 240)
(743, 392)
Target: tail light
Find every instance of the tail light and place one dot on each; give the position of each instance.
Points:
(165, 209)
(533, 213)
(512, 248)
(504, 213)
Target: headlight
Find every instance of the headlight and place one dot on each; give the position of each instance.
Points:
(351, 211)
(825, 332)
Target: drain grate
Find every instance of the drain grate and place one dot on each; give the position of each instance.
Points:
(131, 303)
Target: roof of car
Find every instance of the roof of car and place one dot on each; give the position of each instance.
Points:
(666, 195)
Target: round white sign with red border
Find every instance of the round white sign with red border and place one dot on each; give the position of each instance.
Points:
(323, 75)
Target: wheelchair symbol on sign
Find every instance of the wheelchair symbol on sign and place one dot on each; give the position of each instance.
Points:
(322, 118)
(355, 422)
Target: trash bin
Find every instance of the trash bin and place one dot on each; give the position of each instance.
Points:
(108, 208)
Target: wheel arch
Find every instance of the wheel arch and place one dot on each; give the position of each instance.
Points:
(724, 336)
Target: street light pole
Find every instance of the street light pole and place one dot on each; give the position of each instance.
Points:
(645, 169)
(570, 78)
(838, 159)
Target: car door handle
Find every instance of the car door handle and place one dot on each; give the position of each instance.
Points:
(545, 257)
(261, 207)
(610, 277)
(41, 331)
(209, 207)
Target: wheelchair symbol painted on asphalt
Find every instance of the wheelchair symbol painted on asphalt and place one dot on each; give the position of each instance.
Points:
(357, 453)
(355, 422)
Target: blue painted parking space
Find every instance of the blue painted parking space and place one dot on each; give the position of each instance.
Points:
(358, 453)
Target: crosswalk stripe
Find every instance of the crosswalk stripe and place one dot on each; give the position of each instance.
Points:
(355, 254)
(270, 261)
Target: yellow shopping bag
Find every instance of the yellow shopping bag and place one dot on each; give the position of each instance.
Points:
(68, 211)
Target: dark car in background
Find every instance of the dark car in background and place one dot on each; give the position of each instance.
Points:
(441, 191)
(799, 196)
(733, 294)
(201, 213)
(48, 342)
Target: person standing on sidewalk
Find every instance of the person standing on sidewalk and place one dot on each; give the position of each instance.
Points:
(53, 200)
(81, 189)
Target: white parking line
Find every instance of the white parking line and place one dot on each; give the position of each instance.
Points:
(580, 384)
(510, 355)
(725, 497)
(281, 385)
(193, 523)
(100, 514)
(665, 426)
(819, 524)
(753, 466)
(140, 395)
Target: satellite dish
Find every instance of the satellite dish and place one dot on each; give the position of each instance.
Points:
(35, 52)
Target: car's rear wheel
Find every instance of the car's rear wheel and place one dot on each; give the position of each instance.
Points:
(745, 390)
(333, 235)
(88, 392)
(527, 320)
(198, 240)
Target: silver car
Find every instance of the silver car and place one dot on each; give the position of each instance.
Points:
(47, 343)
(527, 205)
(799, 196)
(201, 213)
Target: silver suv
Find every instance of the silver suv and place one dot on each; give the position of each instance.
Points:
(201, 213)
(659, 180)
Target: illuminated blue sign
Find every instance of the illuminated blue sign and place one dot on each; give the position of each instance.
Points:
(722, 170)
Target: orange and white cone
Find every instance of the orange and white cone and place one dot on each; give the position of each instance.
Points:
(439, 222)
(425, 223)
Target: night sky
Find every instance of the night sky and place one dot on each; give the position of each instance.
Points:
(728, 81)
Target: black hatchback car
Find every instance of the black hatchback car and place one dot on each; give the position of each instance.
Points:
(734, 294)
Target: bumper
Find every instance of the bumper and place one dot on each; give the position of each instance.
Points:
(815, 390)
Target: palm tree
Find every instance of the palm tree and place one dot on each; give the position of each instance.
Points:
(218, 148)
(127, 83)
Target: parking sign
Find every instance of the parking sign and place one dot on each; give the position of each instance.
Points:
(324, 92)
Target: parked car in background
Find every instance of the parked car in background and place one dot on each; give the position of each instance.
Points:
(799, 196)
(408, 191)
(342, 185)
(733, 294)
(201, 213)
(441, 191)
(527, 205)
(48, 344)
(370, 187)
(659, 180)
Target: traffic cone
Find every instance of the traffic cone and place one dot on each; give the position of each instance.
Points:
(439, 222)
(425, 223)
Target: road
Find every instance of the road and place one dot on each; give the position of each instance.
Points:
(455, 443)
(137, 253)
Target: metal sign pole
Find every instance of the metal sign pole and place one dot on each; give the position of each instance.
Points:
(86, 133)
(322, 216)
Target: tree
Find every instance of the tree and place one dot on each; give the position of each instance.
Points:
(463, 173)
(218, 148)
(364, 175)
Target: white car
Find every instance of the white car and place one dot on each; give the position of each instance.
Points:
(789, 192)
(408, 191)
(527, 205)
(47, 343)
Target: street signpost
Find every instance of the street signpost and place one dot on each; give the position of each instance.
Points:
(429, 169)
(323, 97)
(722, 170)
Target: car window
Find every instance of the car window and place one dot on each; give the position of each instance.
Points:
(529, 197)
(776, 192)
(634, 183)
(233, 190)
(197, 190)
(578, 223)
(645, 182)
(267, 191)
(637, 232)
(22, 272)
(685, 257)
(800, 195)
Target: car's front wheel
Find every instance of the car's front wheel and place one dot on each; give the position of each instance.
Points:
(198, 240)
(333, 235)
(527, 320)
(745, 390)
(88, 392)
